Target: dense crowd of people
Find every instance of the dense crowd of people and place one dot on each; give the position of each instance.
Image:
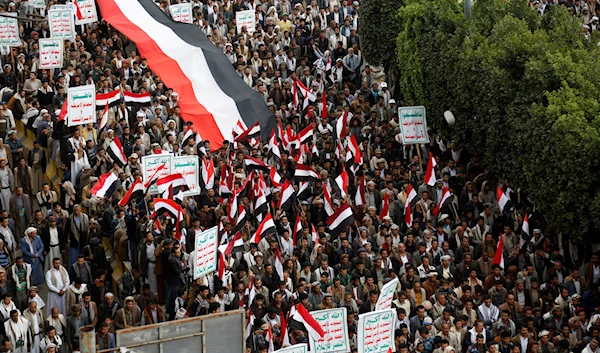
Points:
(451, 297)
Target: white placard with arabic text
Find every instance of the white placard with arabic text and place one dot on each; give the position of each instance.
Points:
(245, 18)
(82, 105)
(62, 23)
(189, 167)
(206, 252)
(51, 53)
(37, 4)
(88, 12)
(9, 32)
(151, 163)
(335, 324)
(376, 331)
(297, 348)
(413, 124)
(387, 295)
(182, 13)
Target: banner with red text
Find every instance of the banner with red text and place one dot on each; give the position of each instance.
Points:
(189, 167)
(182, 13)
(9, 32)
(61, 22)
(387, 295)
(335, 324)
(88, 12)
(82, 105)
(51, 53)
(376, 331)
(206, 252)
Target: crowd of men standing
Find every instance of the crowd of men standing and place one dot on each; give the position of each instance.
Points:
(57, 236)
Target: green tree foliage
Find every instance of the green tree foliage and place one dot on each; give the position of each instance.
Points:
(525, 93)
(378, 29)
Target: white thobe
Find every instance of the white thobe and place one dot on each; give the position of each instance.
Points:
(54, 250)
(54, 299)
(35, 346)
(6, 309)
(17, 331)
(9, 238)
(5, 191)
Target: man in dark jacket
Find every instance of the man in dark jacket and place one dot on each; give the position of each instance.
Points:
(174, 277)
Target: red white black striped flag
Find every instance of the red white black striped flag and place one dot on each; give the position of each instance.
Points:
(211, 93)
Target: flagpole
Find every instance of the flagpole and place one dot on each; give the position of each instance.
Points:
(420, 158)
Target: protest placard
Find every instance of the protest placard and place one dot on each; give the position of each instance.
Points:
(152, 163)
(82, 105)
(206, 252)
(182, 13)
(413, 123)
(245, 18)
(376, 331)
(334, 323)
(189, 167)
(88, 12)
(37, 4)
(61, 22)
(386, 296)
(9, 32)
(51, 53)
(297, 348)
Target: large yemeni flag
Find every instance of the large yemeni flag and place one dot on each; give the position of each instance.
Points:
(211, 93)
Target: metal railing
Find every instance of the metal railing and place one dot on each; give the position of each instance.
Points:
(215, 333)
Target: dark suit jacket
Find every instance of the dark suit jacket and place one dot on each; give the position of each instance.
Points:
(365, 307)
(46, 238)
(453, 272)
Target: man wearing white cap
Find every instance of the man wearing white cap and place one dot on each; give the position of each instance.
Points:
(33, 254)
(446, 270)
(173, 102)
(385, 93)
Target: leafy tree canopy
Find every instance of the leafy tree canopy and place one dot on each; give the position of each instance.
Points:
(525, 93)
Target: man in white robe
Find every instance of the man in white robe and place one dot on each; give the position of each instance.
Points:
(7, 184)
(58, 281)
(7, 305)
(17, 331)
(36, 327)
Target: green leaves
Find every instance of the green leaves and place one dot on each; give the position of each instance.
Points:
(532, 85)
(378, 29)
